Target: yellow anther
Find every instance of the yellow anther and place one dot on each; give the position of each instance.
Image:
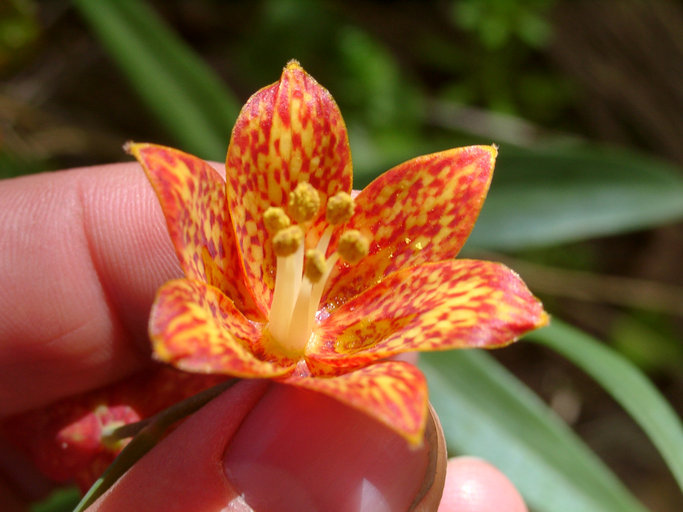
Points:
(315, 265)
(304, 202)
(339, 208)
(275, 220)
(353, 246)
(287, 241)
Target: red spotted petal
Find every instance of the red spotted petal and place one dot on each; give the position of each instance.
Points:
(192, 197)
(198, 329)
(289, 132)
(420, 211)
(394, 393)
(64, 440)
(435, 306)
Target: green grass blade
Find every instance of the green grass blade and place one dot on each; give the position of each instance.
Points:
(541, 198)
(487, 412)
(179, 89)
(625, 382)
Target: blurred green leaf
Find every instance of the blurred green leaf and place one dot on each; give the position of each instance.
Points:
(184, 93)
(15, 165)
(541, 198)
(19, 31)
(373, 86)
(487, 412)
(496, 21)
(650, 347)
(626, 384)
(61, 500)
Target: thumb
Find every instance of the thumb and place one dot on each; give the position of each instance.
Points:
(184, 471)
(275, 448)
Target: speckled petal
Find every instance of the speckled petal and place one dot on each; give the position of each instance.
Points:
(198, 329)
(420, 211)
(288, 132)
(192, 197)
(435, 306)
(393, 392)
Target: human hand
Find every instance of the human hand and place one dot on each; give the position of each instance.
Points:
(83, 253)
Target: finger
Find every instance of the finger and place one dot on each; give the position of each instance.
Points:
(474, 485)
(184, 471)
(83, 252)
(320, 455)
(295, 450)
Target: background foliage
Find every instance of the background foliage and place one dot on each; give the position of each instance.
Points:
(583, 98)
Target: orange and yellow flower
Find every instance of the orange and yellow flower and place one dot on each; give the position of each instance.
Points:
(292, 276)
(289, 278)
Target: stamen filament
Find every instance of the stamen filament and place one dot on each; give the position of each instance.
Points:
(298, 290)
(287, 285)
(325, 239)
(317, 290)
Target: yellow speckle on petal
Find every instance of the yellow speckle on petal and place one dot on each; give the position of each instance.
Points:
(420, 243)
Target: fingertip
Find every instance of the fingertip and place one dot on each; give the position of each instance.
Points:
(300, 450)
(287, 449)
(83, 253)
(474, 485)
(183, 472)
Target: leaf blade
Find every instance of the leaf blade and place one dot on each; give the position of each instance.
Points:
(544, 197)
(486, 412)
(625, 382)
(179, 89)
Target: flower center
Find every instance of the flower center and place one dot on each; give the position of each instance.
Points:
(301, 274)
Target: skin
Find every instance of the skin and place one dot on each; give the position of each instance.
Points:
(83, 252)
